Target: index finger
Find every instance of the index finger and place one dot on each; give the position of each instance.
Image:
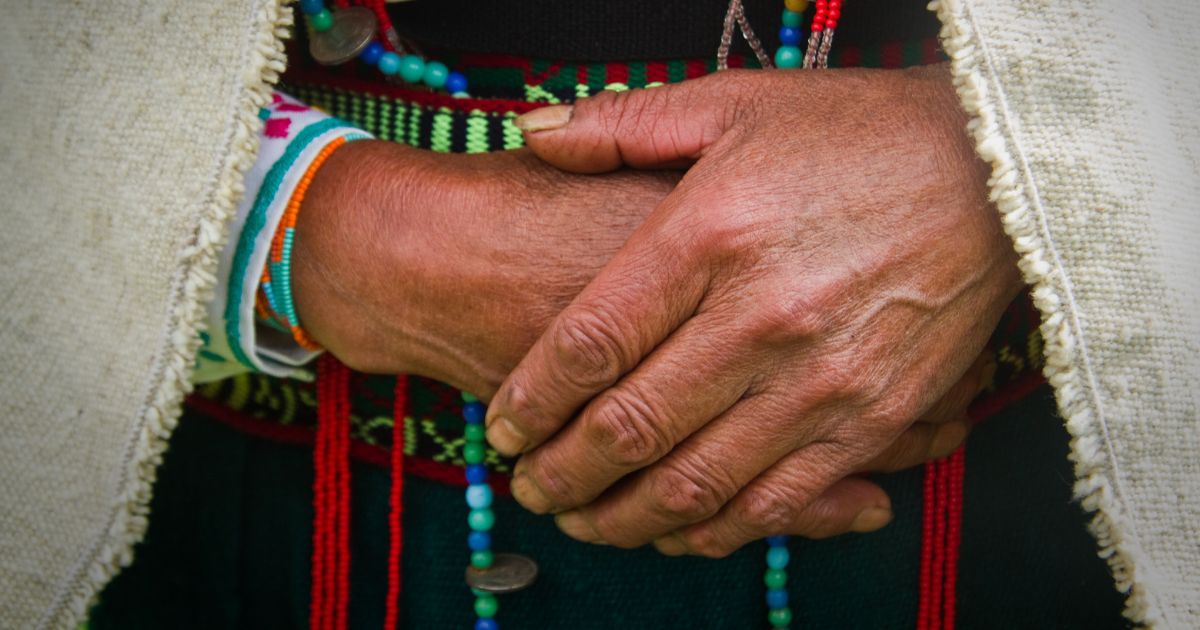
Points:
(646, 291)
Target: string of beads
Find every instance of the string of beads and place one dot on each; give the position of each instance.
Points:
(479, 495)
(412, 68)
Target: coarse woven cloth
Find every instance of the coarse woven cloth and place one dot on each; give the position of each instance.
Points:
(127, 126)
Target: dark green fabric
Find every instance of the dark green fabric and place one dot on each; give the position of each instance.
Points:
(228, 547)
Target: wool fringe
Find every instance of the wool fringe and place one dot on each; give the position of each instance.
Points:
(1014, 195)
(194, 283)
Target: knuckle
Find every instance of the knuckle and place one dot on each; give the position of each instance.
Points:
(687, 497)
(587, 348)
(548, 477)
(764, 510)
(793, 318)
(628, 431)
(522, 404)
(706, 542)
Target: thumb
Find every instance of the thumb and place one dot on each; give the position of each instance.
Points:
(661, 127)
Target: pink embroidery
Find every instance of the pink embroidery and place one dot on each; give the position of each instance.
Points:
(292, 107)
(278, 127)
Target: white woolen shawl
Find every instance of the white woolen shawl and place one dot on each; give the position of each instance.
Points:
(126, 127)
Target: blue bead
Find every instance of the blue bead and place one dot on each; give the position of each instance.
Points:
(479, 496)
(474, 412)
(777, 558)
(777, 598)
(476, 473)
(486, 624)
(456, 82)
(479, 541)
(776, 541)
(789, 36)
(310, 7)
(372, 53)
(389, 63)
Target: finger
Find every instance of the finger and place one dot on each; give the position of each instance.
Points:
(684, 383)
(691, 483)
(852, 504)
(646, 128)
(644, 293)
(918, 444)
(953, 404)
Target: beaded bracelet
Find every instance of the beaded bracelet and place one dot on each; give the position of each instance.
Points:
(273, 302)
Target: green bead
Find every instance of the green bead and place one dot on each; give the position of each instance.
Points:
(780, 617)
(473, 452)
(481, 559)
(412, 68)
(435, 74)
(469, 398)
(322, 21)
(486, 606)
(788, 57)
(775, 578)
(482, 519)
(474, 432)
(793, 19)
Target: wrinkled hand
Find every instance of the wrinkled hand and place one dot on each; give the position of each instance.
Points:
(451, 266)
(823, 277)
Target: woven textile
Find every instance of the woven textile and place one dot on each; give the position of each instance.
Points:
(126, 127)
(1086, 110)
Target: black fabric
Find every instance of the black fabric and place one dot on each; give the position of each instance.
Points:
(229, 545)
(615, 30)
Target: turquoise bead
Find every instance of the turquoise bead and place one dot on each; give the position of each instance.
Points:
(473, 452)
(486, 606)
(482, 519)
(482, 559)
(780, 617)
(777, 557)
(389, 63)
(435, 74)
(479, 496)
(321, 21)
(793, 19)
(412, 68)
(775, 578)
(788, 57)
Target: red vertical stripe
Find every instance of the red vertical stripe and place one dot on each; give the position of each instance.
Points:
(343, 493)
(927, 513)
(616, 73)
(396, 515)
(929, 51)
(939, 544)
(656, 72)
(953, 537)
(695, 68)
(852, 58)
(891, 55)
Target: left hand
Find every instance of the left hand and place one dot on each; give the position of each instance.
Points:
(826, 271)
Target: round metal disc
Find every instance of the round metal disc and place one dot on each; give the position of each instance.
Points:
(509, 573)
(353, 28)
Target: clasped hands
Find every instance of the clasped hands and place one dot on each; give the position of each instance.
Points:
(699, 311)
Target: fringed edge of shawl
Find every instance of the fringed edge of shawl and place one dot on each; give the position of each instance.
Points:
(1015, 196)
(193, 285)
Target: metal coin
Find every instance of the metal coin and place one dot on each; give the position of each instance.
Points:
(509, 573)
(353, 28)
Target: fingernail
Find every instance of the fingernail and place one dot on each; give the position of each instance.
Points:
(530, 495)
(504, 437)
(544, 118)
(871, 519)
(574, 525)
(948, 437)
(670, 545)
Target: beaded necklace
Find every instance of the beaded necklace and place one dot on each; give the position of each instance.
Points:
(367, 33)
